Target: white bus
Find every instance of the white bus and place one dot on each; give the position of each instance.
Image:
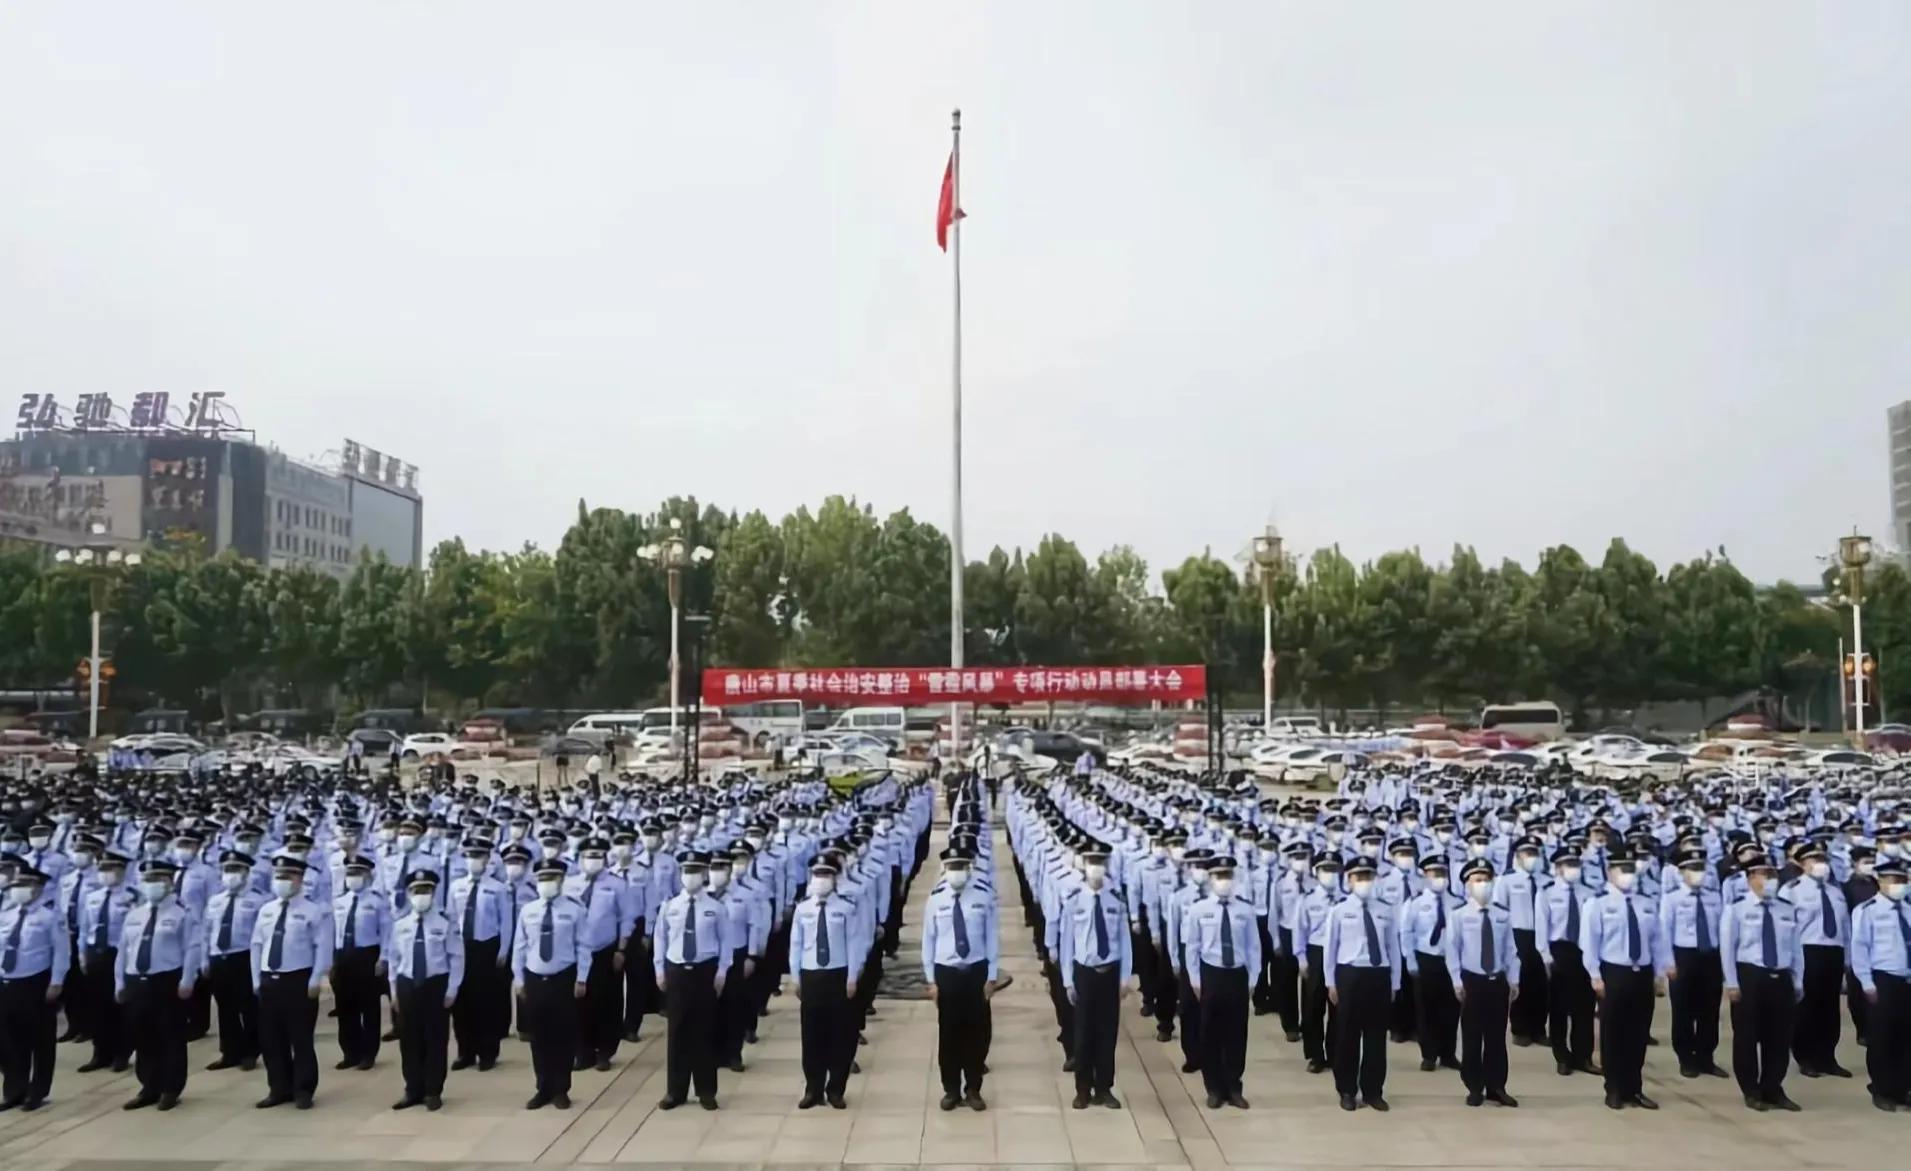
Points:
(768, 723)
(1537, 721)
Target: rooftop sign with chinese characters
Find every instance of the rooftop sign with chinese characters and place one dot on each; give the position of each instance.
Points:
(205, 412)
(356, 459)
(848, 686)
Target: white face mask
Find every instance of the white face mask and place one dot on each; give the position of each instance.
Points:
(958, 879)
(1223, 887)
(820, 886)
(515, 872)
(1624, 879)
(1096, 873)
(1475, 850)
(652, 841)
(1333, 837)
(592, 865)
(1893, 891)
(1403, 862)
(719, 880)
(1528, 862)
(1693, 878)
(1819, 870)
(1442, 836)
(1479, 892)
(80, 858)
(420, 902)
(1178, 852)
(39, 841)
(407, 842)
(283, 887)
(693, 882)
(547, 888)
(20, 895)
(185, 855)
(1363, 887)
(232, 879)
(1866, 868)
(1297, 865)
(356, 882)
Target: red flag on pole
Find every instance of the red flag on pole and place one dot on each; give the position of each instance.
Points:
(946, 210)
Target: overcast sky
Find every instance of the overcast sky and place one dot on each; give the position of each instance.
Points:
(1390, 274)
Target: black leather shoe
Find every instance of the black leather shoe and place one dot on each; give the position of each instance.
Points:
(141, 1102)
(1781, 1102)
(1521, 1042)
(1452, 1063)
(733, 1067)
(1164, 1034)
(855, 1066)
(749, 1038)
(211, 1067)
(32, 1104)
(836, 1102)
(561, 1101)
(1109, 1100)
(1885, 1104)
(121, 1066)
(1809, 1071)
(1215, 1101)
(1290, 1037)
(301, 1101)
(1347, 1103)
(271, 1100)
(1563, 1068)
(603, 1065)
(1473, 1098)
(365, 1064)
(434, 1103)
(1713, 1070)
(168, 1102)
(707, 1103)
(1754, 1102)
(1080, 1102)
(1188, 1067)
(406, 1102)
(1379, 1104)
(1503, 1098)
(347, 1063)
(580, 1063)
(630, 1034)
(1428, 1065)
(1316, 1066)
(538, 1102)
(950, 1101)
(464, 1063)
(1615, 1102)
(1686, 1071)
(975, 1101)
(93, 1065)
(1835, 1070)
(1068, 1065)
(1237, 1101)
(392, 1035)
(249, 1064)
(811, 1100)
(670, 1103)
(1644, 1103)
(487, 1064)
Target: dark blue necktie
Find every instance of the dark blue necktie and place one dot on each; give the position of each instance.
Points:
(275, 955)
(690, 932)
(1488, 961)
(1439, 919)
(420, 967)
(1633, 943)
(1375, 957)
(351, 924)
(1227, 937)
(105, 914)
(1829, 914)
(471, 910)
(1904, 930)
(1101, 929)
(547, 933)
(1572, 916)
(225, 923)
(1700, 923)
(822, 933)
(13, 939)
(961, 927)
(1768, 940)
(143, 962)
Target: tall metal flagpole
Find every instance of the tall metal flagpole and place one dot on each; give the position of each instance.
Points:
(955, 529)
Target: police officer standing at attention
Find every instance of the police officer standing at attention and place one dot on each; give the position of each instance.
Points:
(827, 946)
(1569, 994)
(1690, 917)
(549, 966)
(1425, 925)
(691, 967)
(229, 918)
(160, 958)
(1824, 924)
(361, 921)
(102, 913)
(1764, 978)
(1624, 953)
(1881, 963)
(1222, 951)
(1361, 958)
(479, 906)
(1097, 958)
(33, 963)
(1485, 964)
(960, 958)
(291, 954)
(427, 970)
(609, 919)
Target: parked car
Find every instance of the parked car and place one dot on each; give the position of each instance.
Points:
(422, 744)
(1889, 738)
(377, 741)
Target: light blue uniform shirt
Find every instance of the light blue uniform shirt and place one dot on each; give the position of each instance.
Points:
(1605, 935)
(1554, 921)
(608, 909)
(848, 943)
(1346, 942)
(492, 916)
(938, 931)
(1465, 928)
(1811, 898)
(1078, 936)
(1209, 921)
(567, 940)
(1519, 893)
(307, 942)
(1679, 914)
(237, 927)
(369, 915)
(1742, 939)
(1419, 920)
(110, 903)
(176, 943)
(1878, 930)
(33, 941)
(711, 926)
(444, 950)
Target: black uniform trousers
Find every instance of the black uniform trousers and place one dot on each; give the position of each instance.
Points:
(158, 1026)
(1167, 990)
(1360, 1041)
(287, 1017)
(355, 991)
(1224, 1005)
(1097, 1023)
(1625, 1020)
(26, 1038)
(1319, 1019)
(231, 978)
(1142, 947)
(422, 1033)
(690, 1007)
(1483, 1026)
(198, 1008)
(76, 997)
(600, 1015)
(1695, 1006)
(1058, 1000)
(1190, 1012)
(1438, 1010)
(1263, 997)
(733, 1010)
(1284, 974)
(1815, 1041)
(640, 982)
(1570, 1005)
(962, 1025)
(892, 921)
(1888, 1053)
(474, 1020)
(829, 1030)
(549, 1013)
(1527, 1015)
(1762, 1030)
(111, 1042)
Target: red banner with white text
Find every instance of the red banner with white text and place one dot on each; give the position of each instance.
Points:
(906, 686)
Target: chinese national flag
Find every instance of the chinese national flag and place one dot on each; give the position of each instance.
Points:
(946, 211)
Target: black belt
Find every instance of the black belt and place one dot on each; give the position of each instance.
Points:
(153, 975)
(1110, 966)
(711, 962)
(301, 973)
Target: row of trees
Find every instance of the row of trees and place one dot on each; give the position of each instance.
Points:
(587, 624)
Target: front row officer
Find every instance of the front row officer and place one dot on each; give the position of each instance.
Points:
(291, 954)
(1097, 959)
(1764, 979)
(1485, 966)
(161, 953)
(34, 953)
(1624, 952)
(691, 965)
(1881, 962)
(1222, 951)
(1360, 955)
(827, 947)
(229, 919)
(961, 958)
(549, 964)
(426, 966)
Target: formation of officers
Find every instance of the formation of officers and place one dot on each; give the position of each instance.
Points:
(143, 908)
(1456, 909)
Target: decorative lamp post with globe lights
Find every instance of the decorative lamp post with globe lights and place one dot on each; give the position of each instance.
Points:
(1267, 559)
(673, 556)
(1854, 553)
(100, 560)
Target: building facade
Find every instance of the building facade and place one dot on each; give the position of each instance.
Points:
(1899, 421)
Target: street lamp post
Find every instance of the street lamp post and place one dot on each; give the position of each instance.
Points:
(99, 560)
(673, 556)
(1267, 558)
(1854, 552)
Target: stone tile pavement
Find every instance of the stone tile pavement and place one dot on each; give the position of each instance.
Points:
(893, 1120)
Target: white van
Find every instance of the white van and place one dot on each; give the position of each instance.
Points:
(884, 723)
(769, 723)
(602, 727)
(1537, 721)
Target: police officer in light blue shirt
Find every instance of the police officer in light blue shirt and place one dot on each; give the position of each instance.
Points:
(361, 919)
(1222, 947)
(1361, 961)
(1519, 891)
(33, 961)
(102, 914)
(609, 919)
(1624, 954)
(1689, 915)
(479, 905)
(550, 963)
(1824, 927)
(230, 915)
(160, 957)
(426, 970)
(1881, 962)
(1096, 961)
(291, 956)
(828, 940)
(1759, 942)
(1484, 964)
(961, 954)
(1426, 922)
(691, 967)
(1319, 1014)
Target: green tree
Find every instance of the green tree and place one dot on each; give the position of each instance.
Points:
(752, 595)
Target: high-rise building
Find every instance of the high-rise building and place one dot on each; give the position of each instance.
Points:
(1900, 421)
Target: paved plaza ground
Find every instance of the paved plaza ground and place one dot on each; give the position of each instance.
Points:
(893, 1119)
